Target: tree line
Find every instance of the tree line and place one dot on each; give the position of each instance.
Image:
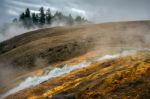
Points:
(29, 19)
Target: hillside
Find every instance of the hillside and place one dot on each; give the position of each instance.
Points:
(32, 53)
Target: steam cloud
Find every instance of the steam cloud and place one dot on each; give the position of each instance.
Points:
(13, 30)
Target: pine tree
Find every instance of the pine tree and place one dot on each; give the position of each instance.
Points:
(70, 19)
(48, 16)
(34, 19)
(58, 15)
(15, 20)
(27, 18)
(42, 16)
(37, 18)
(78, 19)
(27, 13)
(22, 17)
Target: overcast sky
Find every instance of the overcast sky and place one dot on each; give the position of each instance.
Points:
(94, 10)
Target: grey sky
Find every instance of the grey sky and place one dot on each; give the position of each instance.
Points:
(94, 10)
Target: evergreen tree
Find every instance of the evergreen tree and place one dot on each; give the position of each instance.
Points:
(70, 19)
(37, 18)
(22, 17)
(42, 16)
(27, 18)
(27, 13)
(15, 20)
(58, 15)
(78, 19)
(34, 18)
(48, 16)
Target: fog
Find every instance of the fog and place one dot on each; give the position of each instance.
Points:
(11, 30)
(6, 73)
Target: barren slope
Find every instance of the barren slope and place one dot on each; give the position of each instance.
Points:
(53, 47)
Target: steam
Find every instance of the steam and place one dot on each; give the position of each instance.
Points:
(11, 30)
(6, 73)
(121, 54)
(35, 80)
